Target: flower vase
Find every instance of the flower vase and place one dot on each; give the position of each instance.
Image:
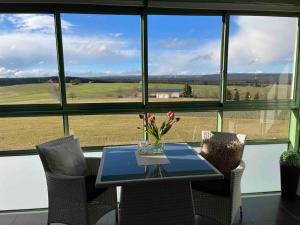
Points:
(158, 147)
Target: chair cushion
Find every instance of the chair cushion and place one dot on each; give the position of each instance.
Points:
(225, 155)
(216, 187)
(91, 191)
(65, 158)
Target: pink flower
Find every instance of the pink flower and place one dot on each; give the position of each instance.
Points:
(171, 115)
(177, 119)
(152, 119)
(141, 116)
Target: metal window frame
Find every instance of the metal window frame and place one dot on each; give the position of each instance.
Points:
(64, 109)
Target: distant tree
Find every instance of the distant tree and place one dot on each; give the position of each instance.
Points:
(187, 91)
(75, 81)
(72, 95)
(236, 95)
(228, 95)
(54, 90)
(256, 82)
(120, 93)
(256, 96)
(247, 96)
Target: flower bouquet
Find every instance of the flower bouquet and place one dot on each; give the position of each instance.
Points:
(157, 132)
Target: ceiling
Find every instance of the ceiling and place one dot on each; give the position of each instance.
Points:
(255, 5)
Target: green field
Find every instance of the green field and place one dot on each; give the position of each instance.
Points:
(124, 92)
(101, 130)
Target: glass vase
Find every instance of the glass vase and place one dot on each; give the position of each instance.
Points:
(158, 147)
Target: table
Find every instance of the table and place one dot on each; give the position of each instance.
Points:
(155, 194)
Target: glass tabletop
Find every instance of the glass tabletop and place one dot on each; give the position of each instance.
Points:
(119, 165)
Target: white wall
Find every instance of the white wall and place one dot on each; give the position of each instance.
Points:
(23, 183)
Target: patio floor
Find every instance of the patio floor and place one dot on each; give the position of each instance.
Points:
(260, 210)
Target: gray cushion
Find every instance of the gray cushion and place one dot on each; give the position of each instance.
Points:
(65, 158)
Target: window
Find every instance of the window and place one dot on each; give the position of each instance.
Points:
(264, 124)
(184, 58)
(190, 126)
(28, 66)
(261, 58)
(26, 132)
(102, 130)
(102, 58)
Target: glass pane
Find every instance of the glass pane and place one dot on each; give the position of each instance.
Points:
(102, 58)
(102, 130)
(190, 126)
(184, 58)
(23, 183)
(261, 57)
(183, 161)
(262, 172)
(266, 124)
(28, 66)
(27, 132)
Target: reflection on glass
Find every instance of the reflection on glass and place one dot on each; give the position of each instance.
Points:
(190, 126)
(183, 161)
(184, 58)
(102, 130)
(102, 58)
(28, 66)
(27, 132)
(267, 124)
(261, 58)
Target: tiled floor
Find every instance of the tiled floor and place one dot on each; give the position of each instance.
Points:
(266, 210)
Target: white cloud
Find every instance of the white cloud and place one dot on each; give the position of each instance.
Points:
(174, 43)
(35, 22)
(97, 49)
(263, 44)
(199, 59)
(262, 40)
(30, 48)
(258, 44)
(35, 72)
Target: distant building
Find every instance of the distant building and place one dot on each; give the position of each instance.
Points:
(165, 92)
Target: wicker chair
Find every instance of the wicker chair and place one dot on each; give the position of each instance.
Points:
(67, 194)
(222, 209)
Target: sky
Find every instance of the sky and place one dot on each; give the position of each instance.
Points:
(99, 45)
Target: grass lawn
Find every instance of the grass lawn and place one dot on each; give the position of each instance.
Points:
(25, 133)
(121, 92)
(101, 130)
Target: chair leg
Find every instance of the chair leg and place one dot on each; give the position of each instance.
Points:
(117, 216)
(241, 212)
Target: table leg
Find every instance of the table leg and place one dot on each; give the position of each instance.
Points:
(167, 203)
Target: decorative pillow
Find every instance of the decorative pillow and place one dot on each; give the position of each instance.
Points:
(65, 158)
(224, 155)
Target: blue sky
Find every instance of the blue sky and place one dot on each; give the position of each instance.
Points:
(111, 45)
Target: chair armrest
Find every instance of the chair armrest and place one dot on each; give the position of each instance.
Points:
(66, 188)
(67, 198)
(236, 177)
(92, 165)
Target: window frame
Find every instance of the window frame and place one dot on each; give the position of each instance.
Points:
(64, 109)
